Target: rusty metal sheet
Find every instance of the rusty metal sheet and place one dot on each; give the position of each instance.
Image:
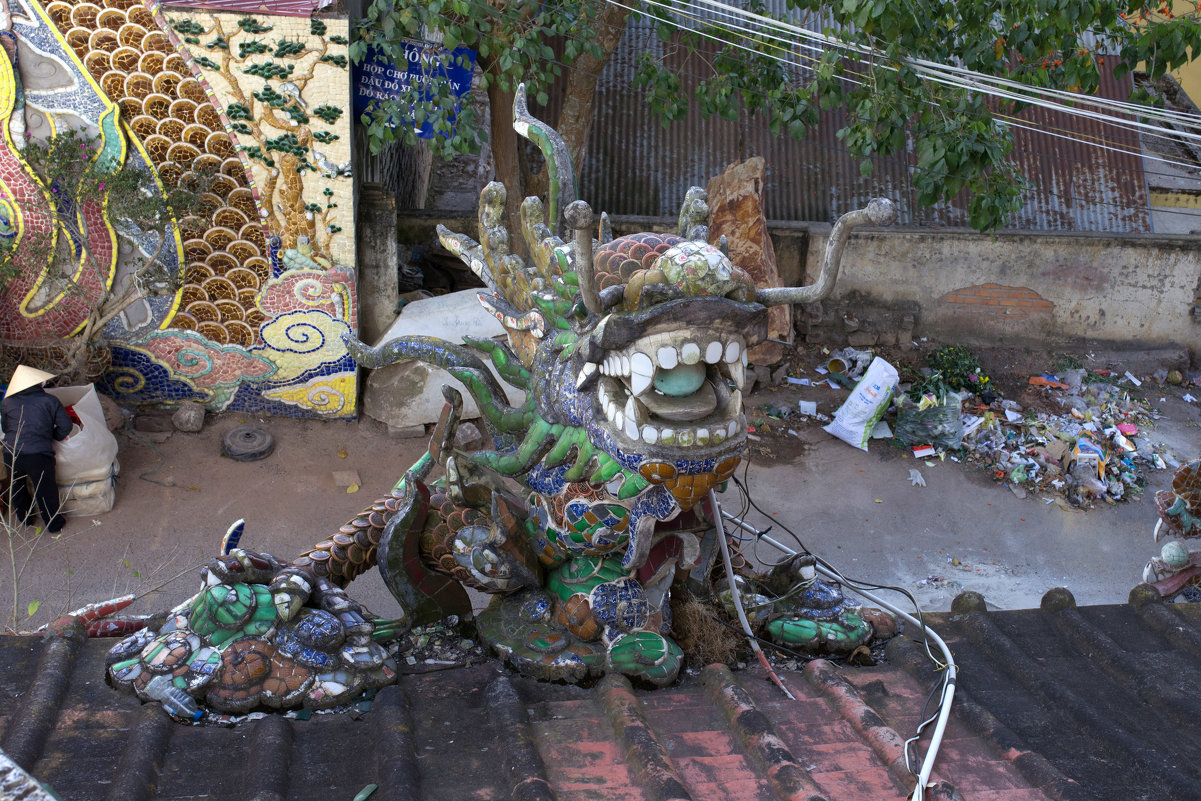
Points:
(636, 166)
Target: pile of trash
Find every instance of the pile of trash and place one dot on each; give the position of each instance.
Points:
(1095, 449)
(1085, 442)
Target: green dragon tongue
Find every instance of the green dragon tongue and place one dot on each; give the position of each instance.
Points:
(680, 381)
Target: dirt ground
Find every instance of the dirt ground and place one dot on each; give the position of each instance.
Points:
(177, 494)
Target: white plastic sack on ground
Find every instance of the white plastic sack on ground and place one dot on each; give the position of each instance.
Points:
(858, 415)
(84, 461)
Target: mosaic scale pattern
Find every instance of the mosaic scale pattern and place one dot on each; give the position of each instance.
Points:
(272, 212)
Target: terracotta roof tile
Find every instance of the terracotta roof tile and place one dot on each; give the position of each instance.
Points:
(1090, 703)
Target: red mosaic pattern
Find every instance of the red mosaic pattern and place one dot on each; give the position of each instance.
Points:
(28, 317)
(204, 364)
(332, 292)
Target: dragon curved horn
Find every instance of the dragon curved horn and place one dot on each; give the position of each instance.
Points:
(559, 170)
(579, 218)
(879, 211)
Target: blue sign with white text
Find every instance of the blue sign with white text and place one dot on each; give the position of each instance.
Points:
(377, 77)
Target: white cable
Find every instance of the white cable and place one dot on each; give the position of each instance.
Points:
(1009, 121)
(949, 667)
(949, 75)
(735, 595)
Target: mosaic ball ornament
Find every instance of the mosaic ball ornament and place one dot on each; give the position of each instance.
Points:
(621, 604)
(1174, 554)
(647, 655)
(699, 269)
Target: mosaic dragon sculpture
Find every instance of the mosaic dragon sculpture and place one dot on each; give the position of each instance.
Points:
(632, 352)
(1179, 510)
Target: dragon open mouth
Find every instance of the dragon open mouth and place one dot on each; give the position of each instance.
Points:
(675, 390)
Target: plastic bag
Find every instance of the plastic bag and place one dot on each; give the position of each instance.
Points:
(940, 425)
(859, 413)
(84, 461)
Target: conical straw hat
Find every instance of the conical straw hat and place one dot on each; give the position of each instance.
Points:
(25, 377)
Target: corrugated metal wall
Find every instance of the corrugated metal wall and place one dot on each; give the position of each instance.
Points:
(636, 166)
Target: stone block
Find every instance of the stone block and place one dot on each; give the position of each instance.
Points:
(410, 393)
(468, 437)
(406, 432)
(347, 478)
(189, 417)
(862, 339)
(736, 212)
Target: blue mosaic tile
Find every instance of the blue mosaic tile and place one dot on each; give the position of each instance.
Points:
(135, 377)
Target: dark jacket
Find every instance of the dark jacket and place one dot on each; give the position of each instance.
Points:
(33, 420)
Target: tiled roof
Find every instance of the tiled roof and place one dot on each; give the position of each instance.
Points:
(1053, 703)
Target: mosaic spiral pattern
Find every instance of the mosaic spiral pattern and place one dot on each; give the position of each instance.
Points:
(168, 109)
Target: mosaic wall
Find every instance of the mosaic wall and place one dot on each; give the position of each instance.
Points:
(255, 105)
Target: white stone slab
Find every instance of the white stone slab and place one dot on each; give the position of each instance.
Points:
(410, 393)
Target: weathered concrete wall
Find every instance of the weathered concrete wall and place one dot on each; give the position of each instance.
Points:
(377, 261)
(1013, 289)
(1007, 289)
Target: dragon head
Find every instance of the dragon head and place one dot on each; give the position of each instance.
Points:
(664, 364)
(632, 350)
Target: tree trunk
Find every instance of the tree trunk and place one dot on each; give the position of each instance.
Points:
(504, 158)
(575, 120)
(410, 182)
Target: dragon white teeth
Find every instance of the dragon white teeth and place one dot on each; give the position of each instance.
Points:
(641, 364)
(718, 436)
(702, 436)
(668, 358)
(737, 373)
(629, 410)
(631, 428)
(713, 352)
(639, 383)
(735, 407)
(732, 352)
(650, 435)
(586, 372)
(625, 365)
(732, 428)
(620, 419)
(690, 353)
(744, 359)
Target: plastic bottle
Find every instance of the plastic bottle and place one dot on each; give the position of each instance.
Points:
(177, 702)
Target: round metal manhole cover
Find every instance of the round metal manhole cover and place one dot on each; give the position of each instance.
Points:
(247, 444)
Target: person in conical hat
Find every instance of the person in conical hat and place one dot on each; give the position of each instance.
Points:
(32, 421)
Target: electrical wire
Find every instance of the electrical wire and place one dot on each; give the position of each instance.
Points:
(1060, 133)
(737, 598)
(915, 763)
(948, 74)
(992, 86)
